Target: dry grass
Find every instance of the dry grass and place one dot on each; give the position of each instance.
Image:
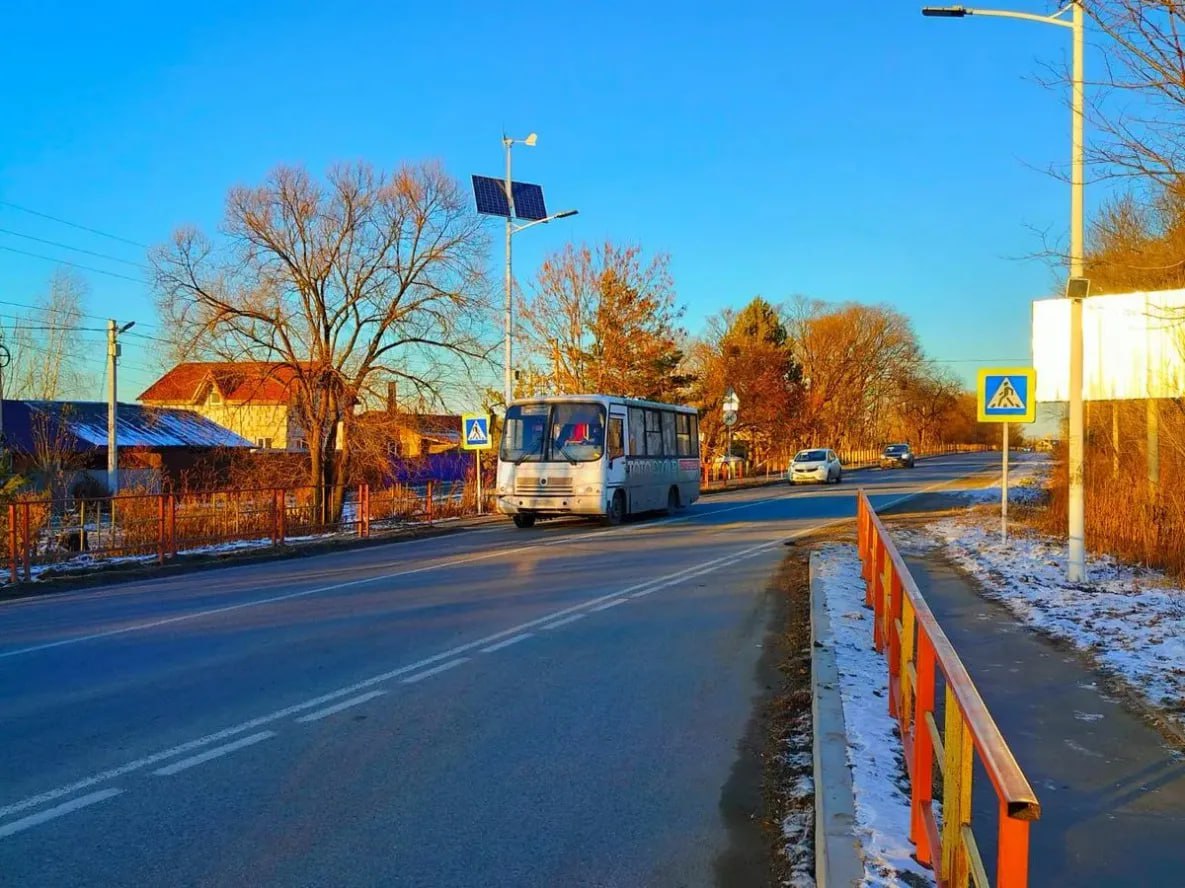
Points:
(1125, 515)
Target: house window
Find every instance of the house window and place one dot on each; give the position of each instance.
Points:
(263, 443)
(215, 397)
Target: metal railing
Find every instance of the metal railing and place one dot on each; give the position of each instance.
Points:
(715, 474)
(73, 533)
(918, 653)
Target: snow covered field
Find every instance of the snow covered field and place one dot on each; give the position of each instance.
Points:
(879, 780)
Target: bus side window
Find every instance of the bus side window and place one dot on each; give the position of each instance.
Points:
(637, 431)
(616, 437)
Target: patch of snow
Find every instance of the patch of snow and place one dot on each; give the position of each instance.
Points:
(1028, 476)
(874, 748)
(1131, 620)
(798, 826)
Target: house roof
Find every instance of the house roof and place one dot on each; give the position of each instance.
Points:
(443, 427)
(82, 425)
(256, 382)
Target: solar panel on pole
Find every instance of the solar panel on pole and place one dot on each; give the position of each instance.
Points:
(528, 201)
(490, 195)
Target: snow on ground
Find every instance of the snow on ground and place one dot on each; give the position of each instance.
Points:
(1130, 619)
(874, 748)
(1027, 479)
(798, 826)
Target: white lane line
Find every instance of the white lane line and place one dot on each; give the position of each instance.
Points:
(565, 621)
(549, 621)
(288, 596)
(216, 752)
(507, 643)
(608, 604)
(41, 817)
(435, 670)
(338, 707)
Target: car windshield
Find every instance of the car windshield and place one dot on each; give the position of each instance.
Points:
(553, 432)
(811, 456)
(894, 449)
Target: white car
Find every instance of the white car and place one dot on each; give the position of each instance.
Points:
(817, 465)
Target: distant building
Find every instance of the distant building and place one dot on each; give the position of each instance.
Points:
(255, 400)
(69, 438)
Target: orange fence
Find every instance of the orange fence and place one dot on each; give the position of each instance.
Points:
(72, 533)
(919, 655)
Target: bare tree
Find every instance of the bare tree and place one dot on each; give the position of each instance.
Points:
(603, 320)
(368, 275)
(46, 359)
(854, 359)
(1139, 102)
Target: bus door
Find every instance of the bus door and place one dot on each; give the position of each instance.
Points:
(616, 468)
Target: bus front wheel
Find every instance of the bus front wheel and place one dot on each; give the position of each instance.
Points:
(524, 520)
(616, 512)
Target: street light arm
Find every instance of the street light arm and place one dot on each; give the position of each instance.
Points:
(564, 215)
(962, 11)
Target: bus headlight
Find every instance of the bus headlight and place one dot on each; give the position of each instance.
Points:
(593, 489)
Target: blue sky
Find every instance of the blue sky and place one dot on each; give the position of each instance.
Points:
(837, 150)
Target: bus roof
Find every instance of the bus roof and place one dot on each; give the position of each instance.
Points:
(605, 400)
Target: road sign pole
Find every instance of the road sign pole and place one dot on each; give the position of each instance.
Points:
(477, 453)
(1004, 489)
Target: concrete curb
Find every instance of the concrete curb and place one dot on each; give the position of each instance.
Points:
(838, 859)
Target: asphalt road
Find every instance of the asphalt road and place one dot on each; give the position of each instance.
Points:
(558, 706)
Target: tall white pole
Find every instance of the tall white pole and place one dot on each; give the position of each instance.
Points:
(1076, 567)
(112, 412)
(508, 373)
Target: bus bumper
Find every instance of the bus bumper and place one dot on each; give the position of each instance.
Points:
(589, 504)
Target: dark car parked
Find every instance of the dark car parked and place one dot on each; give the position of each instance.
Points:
(897, 456)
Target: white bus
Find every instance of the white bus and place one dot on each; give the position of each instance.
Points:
(596, 455)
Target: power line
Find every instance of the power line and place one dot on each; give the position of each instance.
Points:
(116, 237)
(74, 265)
(68, 311)
(54, 243)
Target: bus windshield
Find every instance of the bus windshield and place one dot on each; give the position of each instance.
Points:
(572, 432)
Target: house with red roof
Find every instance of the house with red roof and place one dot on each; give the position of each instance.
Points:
(253, 399)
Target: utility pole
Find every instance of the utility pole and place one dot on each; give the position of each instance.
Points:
(113, 351)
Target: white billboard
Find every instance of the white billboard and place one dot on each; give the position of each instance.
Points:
(1133, 346)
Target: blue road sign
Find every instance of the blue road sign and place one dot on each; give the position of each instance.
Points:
(1007, 394)
(475, 431)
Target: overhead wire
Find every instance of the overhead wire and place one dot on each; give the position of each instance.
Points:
(113, 274)
(95, 253)
(77, 225)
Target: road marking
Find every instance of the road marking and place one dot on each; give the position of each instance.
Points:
(565, 621)
(608, 604)
(338, 707)
(41, 817)
(288, 596)
(216, 752)
(549, 621)
(507, 643)
(428, 673)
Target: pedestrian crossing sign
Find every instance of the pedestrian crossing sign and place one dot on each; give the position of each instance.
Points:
(1007, 394)
(475, 431)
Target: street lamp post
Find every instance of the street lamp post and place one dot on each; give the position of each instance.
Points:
(511, 230)
(1077, 286)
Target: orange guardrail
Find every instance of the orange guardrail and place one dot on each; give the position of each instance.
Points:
(917, 652)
